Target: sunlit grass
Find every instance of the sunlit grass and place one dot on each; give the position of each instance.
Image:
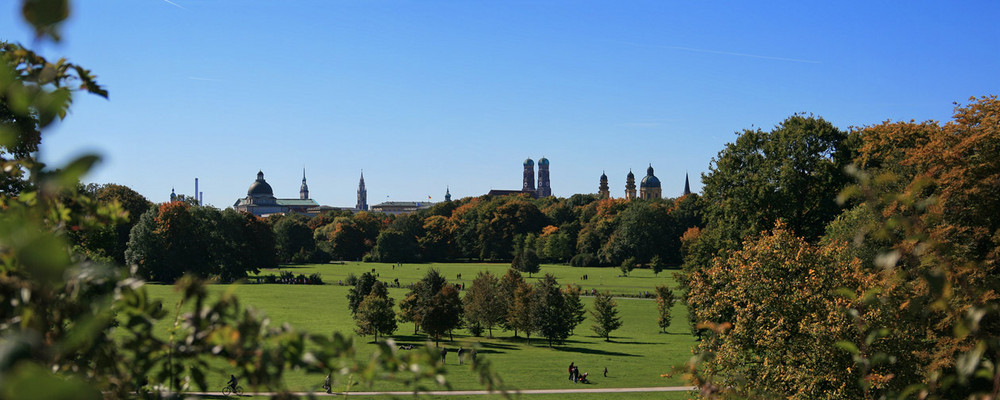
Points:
(637, 355)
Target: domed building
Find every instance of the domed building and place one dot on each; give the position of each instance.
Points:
(649, 188)
(260, 200)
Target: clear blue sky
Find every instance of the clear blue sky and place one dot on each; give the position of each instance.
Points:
(427, 94)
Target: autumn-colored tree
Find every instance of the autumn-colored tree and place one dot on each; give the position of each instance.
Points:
(786, 313)
(605, 314)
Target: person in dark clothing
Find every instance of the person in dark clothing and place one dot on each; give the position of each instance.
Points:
(571, 371)
(444, 352)
(232, 381)
(605, 372)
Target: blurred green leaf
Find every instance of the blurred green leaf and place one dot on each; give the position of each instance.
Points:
(30, 381)
(847, 346)
(45, 16)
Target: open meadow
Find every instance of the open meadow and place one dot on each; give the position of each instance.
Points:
(637, 355)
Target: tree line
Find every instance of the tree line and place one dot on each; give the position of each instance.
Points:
(436, 308)
(165, 241)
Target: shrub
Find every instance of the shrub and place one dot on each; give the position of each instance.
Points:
(583, 260)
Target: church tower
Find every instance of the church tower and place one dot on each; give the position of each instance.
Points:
(603, 191)
(544, 190)
(447, 194)
(687, 186)
(650, 187)
(304, 189)
(630, 186)
(173, 195)
(529, 176)
(362, 195)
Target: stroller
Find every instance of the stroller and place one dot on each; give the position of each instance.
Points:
(583, 378)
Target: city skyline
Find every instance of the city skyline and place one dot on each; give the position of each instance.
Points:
(425, 96)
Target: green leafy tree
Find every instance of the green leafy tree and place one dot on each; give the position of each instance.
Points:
(575, 311)
(656, 264)
(550, 314)
(627, 266)
(482, 302)
(520, 316)
(443, 313)
(605, 314)
(294, 240)
(361, 289)
(375, 315)
(394, 246)
(528, 262)
(508, 290)
(408, 311)
(664, 303)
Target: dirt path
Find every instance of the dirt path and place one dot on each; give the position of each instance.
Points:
(483, 392)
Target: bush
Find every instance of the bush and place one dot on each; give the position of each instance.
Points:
(583, 260)
(351, 279)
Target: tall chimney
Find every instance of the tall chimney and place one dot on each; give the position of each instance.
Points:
(196, 198)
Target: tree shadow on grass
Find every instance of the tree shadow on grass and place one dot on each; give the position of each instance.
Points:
(585, 350)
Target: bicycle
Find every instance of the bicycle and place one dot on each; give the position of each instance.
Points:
(230, 389)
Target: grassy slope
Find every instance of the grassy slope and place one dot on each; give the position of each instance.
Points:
(637, 355)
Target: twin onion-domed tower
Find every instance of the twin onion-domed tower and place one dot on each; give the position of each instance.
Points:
(544, 188)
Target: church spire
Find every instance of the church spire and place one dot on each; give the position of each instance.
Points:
(304, 189)
(447, 193)
(687, 185)
(362, 194)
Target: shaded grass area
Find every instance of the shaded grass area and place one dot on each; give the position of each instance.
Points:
(637, 355)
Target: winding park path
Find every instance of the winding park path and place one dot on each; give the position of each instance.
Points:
(478, 392)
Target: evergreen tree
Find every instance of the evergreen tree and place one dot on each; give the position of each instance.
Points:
(605, 315)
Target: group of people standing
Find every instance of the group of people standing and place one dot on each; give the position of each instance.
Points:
(575, 376)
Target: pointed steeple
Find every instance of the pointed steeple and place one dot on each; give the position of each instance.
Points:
(687, 185)
(304, 189)
(447, 193)
(362, 194)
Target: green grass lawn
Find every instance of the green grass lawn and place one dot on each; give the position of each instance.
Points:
(637, 355)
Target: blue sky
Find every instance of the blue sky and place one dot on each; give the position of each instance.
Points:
(424, 95)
